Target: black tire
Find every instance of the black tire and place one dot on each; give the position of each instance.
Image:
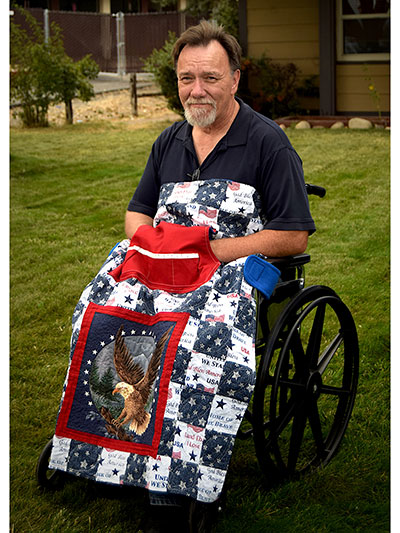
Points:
(48, 478)
(306, 384)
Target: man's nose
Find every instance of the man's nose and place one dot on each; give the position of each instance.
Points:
(197, 88)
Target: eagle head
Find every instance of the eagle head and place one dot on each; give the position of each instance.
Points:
(123, 388)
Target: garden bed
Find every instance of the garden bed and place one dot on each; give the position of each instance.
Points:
(326, 121)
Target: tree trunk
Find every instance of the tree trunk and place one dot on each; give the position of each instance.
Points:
(69, 114)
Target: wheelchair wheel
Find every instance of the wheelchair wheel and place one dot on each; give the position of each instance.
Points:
(306, 384)
(46, 477)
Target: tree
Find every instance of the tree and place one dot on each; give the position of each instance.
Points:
(42, 73)
(224, 12)
(73, 81)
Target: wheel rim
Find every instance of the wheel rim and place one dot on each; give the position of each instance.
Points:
(306, 384)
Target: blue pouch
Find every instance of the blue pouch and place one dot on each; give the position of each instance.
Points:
(261, 274)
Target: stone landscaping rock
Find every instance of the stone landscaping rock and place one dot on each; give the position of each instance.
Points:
(337, 125)
(303, 125)
(327, 121)
(358, 123)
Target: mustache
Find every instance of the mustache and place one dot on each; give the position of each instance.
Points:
(200, 101)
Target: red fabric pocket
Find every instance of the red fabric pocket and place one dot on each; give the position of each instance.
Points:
(169, 257)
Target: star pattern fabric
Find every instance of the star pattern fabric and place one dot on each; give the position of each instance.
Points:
(212, 375)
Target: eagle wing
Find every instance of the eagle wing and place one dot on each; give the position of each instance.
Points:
(145, 386)
(127, 370)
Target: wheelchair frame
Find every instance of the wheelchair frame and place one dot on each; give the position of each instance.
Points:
(307, 373)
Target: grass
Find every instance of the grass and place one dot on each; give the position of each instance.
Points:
(69, 190)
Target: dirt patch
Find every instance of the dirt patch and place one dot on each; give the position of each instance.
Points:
(113, 106)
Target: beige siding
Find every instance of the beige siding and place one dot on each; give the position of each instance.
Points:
(286, 31)
(352, 92)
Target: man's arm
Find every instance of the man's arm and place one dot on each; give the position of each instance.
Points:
(271, 243)
(133, 220)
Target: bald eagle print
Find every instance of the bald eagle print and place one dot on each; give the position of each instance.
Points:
(135, 385)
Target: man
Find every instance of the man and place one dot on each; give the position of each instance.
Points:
(223, 138)
(220, 186)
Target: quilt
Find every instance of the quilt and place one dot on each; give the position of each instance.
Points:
(162, 356)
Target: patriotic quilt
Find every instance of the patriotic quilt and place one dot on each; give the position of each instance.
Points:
(162, 360)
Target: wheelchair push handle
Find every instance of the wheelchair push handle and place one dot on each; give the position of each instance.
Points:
(315, 190)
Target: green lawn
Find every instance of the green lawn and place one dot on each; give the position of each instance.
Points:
(69, 190)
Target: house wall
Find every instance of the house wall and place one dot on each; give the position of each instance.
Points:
(352, 92)
(288, 31)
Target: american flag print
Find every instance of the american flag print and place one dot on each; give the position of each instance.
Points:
(206, 374)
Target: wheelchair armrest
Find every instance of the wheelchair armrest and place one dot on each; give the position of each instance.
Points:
(289, 261)
(316, 190)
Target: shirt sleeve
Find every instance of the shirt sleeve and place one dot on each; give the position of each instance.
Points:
(145, 197)
(284, 192)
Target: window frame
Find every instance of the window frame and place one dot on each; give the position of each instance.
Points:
(351, 58)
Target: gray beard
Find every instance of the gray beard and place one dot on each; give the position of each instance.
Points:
(200, 118)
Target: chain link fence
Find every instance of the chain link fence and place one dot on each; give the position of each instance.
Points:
(118, 43)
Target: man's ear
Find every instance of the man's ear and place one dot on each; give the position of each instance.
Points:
(235, 79)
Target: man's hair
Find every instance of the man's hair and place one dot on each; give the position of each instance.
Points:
(202, 35)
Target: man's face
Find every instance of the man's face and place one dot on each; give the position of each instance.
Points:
(206, 84)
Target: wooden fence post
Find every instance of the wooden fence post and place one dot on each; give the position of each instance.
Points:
(133, 85)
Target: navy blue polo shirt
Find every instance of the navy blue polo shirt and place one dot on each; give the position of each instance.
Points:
(254, 151)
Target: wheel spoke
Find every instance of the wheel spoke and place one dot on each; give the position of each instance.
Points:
(335, 391)
(315, 423)
(329, 352)
(283, 389)
(299, 356)
(283, 419)
(314, 341)
(296, 438)
(292, 384)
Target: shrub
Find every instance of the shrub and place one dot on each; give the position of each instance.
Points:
(160, 63)
(42, 73)
(270, 88)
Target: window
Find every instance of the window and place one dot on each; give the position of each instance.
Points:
(363, 30)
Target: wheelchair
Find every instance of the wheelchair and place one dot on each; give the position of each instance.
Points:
(307, 372)
(308, 365)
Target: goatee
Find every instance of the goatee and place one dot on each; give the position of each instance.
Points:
(198, 116)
